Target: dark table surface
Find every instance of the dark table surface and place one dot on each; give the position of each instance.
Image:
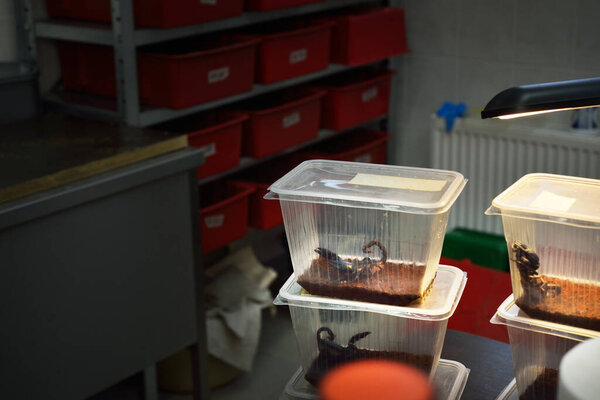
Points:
(490, 363)
(55, 150)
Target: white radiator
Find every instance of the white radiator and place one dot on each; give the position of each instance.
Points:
(493, 154)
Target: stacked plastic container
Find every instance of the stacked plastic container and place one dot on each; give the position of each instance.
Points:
(448, 383)
(365, 242)
(552, 229)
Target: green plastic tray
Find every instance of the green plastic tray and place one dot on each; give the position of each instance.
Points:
(480, 248)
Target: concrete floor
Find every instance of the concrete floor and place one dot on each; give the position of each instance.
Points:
(275, 363)
(277, 360)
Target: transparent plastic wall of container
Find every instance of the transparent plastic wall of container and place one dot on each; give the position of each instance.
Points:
(537, 348)
(552, 229)
(366, 232)
(412, 334)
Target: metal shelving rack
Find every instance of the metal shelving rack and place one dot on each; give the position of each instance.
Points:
(125, 39)
(122, 35)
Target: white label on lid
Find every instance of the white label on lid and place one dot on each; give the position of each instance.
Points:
(210, 149)
(218, 75)
(363, 158)
(209, 2)
(369, 94)
(297, 56)
(214, 221)
(398, 182)
(291, 119)
(551, 201)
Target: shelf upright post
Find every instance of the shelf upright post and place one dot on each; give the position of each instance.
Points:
(199, 350)
(394, 117)
(25, 32)
(123, 27)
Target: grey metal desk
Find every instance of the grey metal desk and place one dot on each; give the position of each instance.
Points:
(99, 281)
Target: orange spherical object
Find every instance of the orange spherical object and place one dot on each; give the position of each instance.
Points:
(376, 379)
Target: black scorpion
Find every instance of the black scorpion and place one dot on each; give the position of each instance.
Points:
(528, 263)
(332, 354)
(358, 268)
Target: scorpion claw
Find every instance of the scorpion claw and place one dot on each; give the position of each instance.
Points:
(357, 337)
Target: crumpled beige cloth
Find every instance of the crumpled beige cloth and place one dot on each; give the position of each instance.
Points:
(236, 292)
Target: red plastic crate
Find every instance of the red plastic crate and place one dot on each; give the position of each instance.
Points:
(266, 214)
(356, 97)
(223, 214)
(267, 5)
(281, 120)
(175, 75)
(219, 132)
(288, 51)
(150, 13)
(87, 68)
(361, 145)
(368, 36)
(486, 289)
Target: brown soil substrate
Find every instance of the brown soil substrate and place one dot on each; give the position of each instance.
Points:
(543, 388)
(322, 365)
(578, 304)
(394, 283)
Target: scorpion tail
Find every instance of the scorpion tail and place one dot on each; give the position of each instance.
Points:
(330, 334)
(377, 243)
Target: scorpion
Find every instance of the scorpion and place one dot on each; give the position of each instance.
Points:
(528, 263)
(332, 355)
(356, 269)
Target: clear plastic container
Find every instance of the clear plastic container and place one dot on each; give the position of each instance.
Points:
(537, 348)
(366, 232)
(552, 229)
(333, 331)
(509, 392)
(449, 382)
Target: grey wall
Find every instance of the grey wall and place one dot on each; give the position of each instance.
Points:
(468, 50)
(8, 32)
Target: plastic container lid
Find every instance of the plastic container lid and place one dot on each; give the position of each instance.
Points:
(449, 382)
(510, 314)
(555, 198)
(362, 185)
(439, 305)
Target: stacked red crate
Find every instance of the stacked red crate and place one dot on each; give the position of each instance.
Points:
(220, 133)
(150, 13)
(291, 49)
(281, 120)
(223, 214)
(362, 145)
(173, 75)
(355, 97)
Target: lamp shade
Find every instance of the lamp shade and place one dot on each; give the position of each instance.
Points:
(544, 97)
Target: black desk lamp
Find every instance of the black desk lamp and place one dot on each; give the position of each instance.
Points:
(522, 101)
